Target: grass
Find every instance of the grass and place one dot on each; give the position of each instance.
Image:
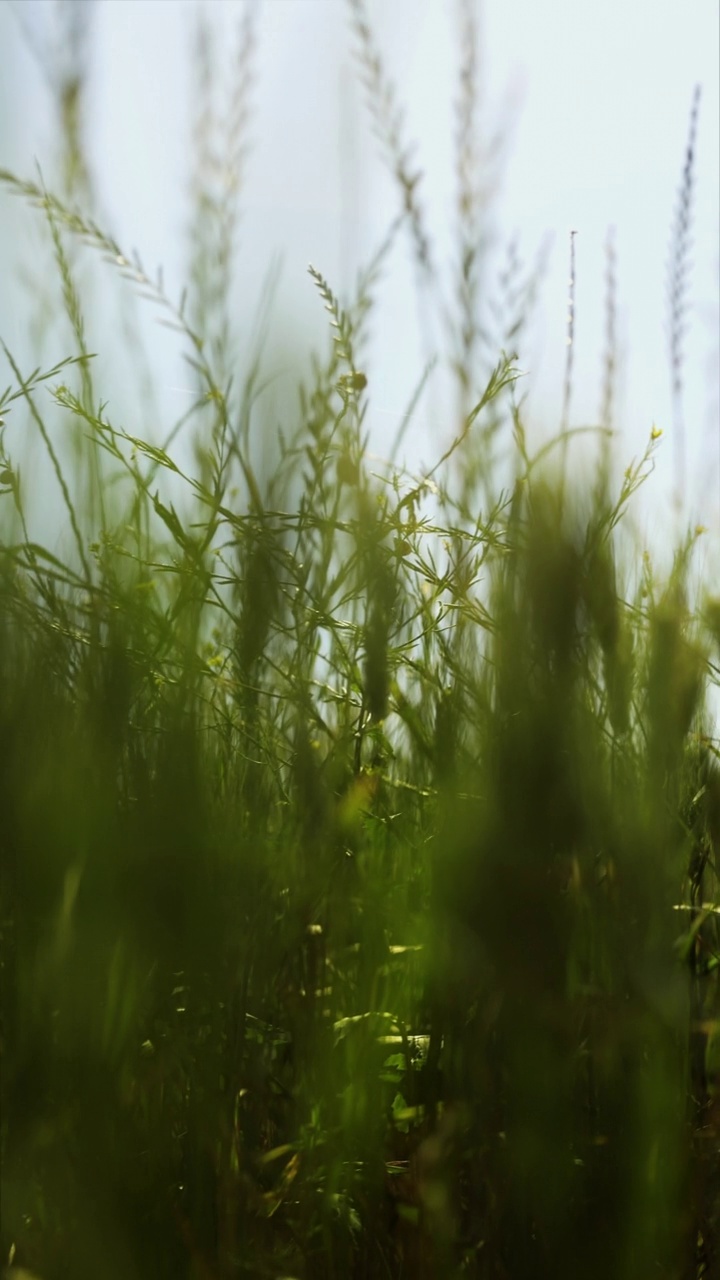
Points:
(360, 829)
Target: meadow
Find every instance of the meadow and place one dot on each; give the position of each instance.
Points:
(360, 828)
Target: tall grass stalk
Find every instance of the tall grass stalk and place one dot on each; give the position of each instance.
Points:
(358, 856)
(678, 273)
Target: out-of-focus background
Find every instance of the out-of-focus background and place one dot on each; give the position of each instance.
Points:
(583, 121)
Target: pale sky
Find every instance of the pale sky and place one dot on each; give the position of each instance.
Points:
(594, 100)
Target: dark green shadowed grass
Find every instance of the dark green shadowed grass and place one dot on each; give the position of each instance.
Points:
(358, 855)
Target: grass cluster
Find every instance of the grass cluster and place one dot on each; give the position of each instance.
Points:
(358, 856)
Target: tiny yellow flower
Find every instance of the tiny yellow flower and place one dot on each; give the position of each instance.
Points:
(656, 433)
(352, 382)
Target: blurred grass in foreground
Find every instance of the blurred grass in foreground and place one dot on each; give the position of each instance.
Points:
(359, 841)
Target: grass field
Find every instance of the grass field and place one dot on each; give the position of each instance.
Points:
(360, 829)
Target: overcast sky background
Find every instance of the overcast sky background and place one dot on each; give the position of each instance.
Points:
(594, 102)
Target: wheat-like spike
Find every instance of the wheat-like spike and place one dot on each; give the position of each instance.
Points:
(568, 384)
(236, 153)
(71, 298)
(567, 388)
(389, 119)
(71, 92)
(610, 361)
(468, 197)
(523, 295)
(86, 229)
(338, 317)
(678, 275)
(331, 303)
(204, 177)
(221, 150)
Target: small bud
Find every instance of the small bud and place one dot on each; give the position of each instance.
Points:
(352, 382)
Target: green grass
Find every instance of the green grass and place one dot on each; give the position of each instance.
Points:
(359, 830)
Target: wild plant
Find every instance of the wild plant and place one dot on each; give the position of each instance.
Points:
(359, 853)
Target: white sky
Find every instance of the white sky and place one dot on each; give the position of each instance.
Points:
(595, 100)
